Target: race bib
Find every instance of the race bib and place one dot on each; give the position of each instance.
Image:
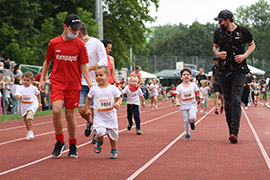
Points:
(28, 99)
(204, 93)
(187, 95)
(105, 104)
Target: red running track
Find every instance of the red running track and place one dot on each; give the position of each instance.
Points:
(160, 153)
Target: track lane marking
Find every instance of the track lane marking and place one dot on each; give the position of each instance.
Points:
(48, 122)
(140, 170)
(81, 145)
(265, 156)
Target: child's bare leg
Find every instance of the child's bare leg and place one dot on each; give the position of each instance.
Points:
(100, 139)
(26, 123)
(113, 144)
(29, 124)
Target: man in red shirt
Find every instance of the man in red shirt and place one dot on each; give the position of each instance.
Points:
(69, 57)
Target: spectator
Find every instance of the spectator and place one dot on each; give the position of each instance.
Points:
(137, 73)
(200, 76)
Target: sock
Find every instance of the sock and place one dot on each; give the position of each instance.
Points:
(73, 141)
(60, 137)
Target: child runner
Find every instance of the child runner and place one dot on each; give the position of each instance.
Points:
(172, 94)
(204, 90)
(256, 92)
(134, 93)
(29, 97)
(264, 93)
(154, 90)
(186, 99)
(106, 100)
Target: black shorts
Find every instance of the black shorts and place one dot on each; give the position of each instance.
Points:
(217, 88)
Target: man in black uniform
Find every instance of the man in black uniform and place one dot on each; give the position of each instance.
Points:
(200, 76)
(229, 45)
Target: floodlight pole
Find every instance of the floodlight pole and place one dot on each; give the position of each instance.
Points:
(99, 17)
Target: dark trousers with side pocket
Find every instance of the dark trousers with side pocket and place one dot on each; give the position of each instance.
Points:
(133, 109)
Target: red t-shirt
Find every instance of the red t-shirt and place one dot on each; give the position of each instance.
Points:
(172, 92)
(109, 66)
(66, 56)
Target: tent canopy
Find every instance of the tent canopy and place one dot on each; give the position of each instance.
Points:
(253, 70)
(146, 75)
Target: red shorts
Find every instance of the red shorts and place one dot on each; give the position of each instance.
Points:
(70, 97)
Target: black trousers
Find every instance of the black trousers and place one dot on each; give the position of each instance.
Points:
(135, 110)
(232, 87)
(245, 95)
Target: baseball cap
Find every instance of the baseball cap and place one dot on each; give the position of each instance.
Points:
(73, 21)
(224, 14)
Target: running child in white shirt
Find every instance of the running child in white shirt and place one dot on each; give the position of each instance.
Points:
(186, 99)
(134, 93)
(29, 97)
(204, 89)
(154, 90)
(106, 100)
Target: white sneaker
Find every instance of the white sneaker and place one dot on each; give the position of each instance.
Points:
(205, 112)
(30, 135)
(27, 136)
(246, 107)
(201, 111)
(156, 107)
(248, 104)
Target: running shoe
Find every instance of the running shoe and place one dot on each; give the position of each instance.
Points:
(205, 112)
(221, 109)
(58, 149)
(129, 127)
(114, 154)
(27, 136)
(187, 137)
(233, 139)
(201, 111)
(72, 151)
(88, 130)
(97, 147)
(139, 132)
(30, 135)
(94, 140)
(216, 111)
(192, 126)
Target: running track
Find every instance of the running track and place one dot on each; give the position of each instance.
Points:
(160, 153)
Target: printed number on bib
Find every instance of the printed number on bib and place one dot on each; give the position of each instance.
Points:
(187, 95)
(28, 99)
(105, 103)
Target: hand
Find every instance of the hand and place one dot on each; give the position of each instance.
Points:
(239, 58)
(201, 98)
(90, 85)
(88, 112)
(117, 105)
(41, 86)
(143, 104)
(222, 54)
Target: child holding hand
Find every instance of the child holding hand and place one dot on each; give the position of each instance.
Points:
(134, 94)
(106, 100)
(186, 99)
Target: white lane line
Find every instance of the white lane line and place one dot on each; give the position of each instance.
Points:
(140, 170)
(81, 145)
(265, 156)
(51, 132)
(47, 122)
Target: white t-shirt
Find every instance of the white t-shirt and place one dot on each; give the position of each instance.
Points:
(14, 88)
(204, 91)
(97, 55)
(154, 91)
(133, 97)
(104, 99)
(29, 99)
(187, 96)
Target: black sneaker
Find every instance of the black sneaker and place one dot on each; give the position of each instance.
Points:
(129, 127)
(233, 139)
(192, 126)
(58, 149)
(187, 137)
(94, 139)
(88, 130)
(72, 151)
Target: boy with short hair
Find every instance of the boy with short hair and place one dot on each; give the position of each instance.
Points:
(29, 97)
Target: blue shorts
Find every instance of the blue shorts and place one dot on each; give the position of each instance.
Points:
(83, 94)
